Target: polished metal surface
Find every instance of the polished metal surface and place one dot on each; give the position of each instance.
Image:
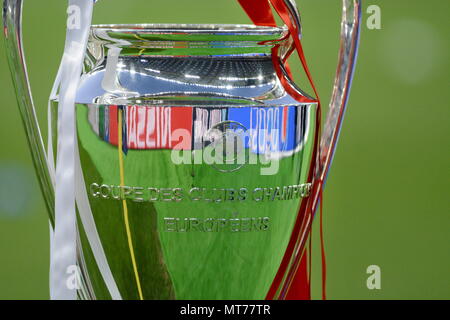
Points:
(12, 27)
(209, 60)
(194, 218)
(192, 158)
(348, 53)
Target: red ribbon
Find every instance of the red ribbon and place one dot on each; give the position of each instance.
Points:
(259, 11)
(297, 285)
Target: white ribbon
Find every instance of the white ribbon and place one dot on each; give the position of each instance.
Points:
(63, 248)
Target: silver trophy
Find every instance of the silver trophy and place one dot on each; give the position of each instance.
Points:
(192, 159)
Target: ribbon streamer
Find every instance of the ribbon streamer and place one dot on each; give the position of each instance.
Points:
(63, 245)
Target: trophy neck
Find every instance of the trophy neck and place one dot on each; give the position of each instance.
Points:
(198, 65)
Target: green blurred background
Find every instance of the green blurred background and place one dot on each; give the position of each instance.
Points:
(387, 196)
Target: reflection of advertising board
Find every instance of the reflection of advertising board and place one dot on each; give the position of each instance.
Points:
(205, 119)
(144, 127)
(269, 129)
(152, 127)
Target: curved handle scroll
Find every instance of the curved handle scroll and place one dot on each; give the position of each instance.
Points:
(349, 41)
(12, 26)
(348, 52)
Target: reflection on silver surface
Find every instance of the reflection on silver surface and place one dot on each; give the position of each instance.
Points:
(12, 15)
(208, 90)
(348, 53)
(127, 63)
(142, 83)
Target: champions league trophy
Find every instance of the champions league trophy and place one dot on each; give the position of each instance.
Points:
(197, 163)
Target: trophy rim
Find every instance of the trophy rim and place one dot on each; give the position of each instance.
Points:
(172, 28)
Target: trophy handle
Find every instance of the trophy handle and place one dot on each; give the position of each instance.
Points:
(12, 26)
(349, 41)
(348, 52)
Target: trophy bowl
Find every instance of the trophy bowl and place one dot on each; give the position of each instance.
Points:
(192, 152)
